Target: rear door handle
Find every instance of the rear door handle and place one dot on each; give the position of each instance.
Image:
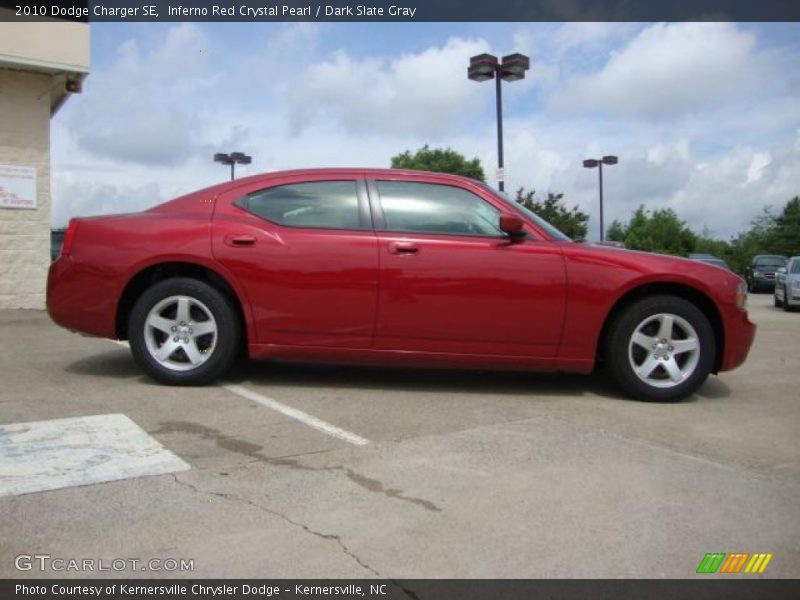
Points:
(240, 240)
(403, 248)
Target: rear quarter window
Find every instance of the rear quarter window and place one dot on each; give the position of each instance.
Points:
(317, 204)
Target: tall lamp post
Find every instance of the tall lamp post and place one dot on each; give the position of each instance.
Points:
(591, 163)
(512, 68)
(233, 159)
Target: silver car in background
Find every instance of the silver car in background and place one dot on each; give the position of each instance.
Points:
(787, 284)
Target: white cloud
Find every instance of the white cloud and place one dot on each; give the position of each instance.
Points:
(140, 109)
(667, 70)
(423, 93)
(90, 198)
(759, 161)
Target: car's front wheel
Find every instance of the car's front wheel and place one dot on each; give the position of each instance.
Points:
(660, 348)
(183, 332)
(785, 303)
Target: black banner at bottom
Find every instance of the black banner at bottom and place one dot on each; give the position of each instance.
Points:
(401, 589)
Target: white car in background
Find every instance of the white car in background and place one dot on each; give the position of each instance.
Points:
(787, 284)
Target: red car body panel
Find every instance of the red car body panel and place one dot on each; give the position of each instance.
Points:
(350, 295)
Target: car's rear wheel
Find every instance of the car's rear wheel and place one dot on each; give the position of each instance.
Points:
(183, 332)
(660, 348)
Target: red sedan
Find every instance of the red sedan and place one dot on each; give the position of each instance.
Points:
(389, 267)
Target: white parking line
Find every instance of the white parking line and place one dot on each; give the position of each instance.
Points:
(310, 420)
(299, 415)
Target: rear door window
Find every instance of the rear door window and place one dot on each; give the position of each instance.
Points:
(317, 204)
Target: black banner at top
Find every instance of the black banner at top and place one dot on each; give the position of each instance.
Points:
(400, 10)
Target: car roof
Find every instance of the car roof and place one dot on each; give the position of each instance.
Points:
(336, 171)
(362, 171)
(224, 186)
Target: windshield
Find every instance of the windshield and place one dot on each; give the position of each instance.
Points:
(771, 261)
(796, 266)
(715, 261)
(552, 231)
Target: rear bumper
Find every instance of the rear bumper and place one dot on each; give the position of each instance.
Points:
(80, 299)
(739, 336)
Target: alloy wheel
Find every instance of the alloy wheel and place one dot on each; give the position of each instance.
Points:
(664, 350)
(180, 332)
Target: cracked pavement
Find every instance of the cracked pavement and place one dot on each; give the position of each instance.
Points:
(468, 475)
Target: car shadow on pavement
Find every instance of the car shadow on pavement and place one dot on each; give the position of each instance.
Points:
(120, 365)
(713, 389)
(419, 380)
(114, 364)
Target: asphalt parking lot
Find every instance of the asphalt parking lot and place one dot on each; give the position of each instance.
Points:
(459, 474)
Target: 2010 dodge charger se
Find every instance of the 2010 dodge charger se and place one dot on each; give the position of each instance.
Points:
(389, 267)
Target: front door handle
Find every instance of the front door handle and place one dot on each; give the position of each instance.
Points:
(403, 248)
(240, 240)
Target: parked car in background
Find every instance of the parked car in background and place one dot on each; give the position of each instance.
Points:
(787, 285)
(760, 273)
(390, 267)
(709, 259)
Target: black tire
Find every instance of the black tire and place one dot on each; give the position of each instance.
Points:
(776, 301)
(786, 306)
(226, 340)
(618, 344)
(750, 287)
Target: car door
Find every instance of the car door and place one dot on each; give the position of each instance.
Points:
(451, 281)
(306, 255)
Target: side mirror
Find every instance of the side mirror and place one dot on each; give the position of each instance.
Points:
(512, 225)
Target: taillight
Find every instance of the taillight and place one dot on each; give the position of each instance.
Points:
(69, 237)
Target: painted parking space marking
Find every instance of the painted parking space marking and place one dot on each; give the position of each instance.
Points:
(299, 415)
(61, 453)
(294, 413)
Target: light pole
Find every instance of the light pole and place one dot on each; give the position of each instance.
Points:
(233, 159)
(512, 68)
(591, 163)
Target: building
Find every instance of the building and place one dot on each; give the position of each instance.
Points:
(41, 64)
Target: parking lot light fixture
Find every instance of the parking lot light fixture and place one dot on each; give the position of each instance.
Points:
(483, 67)
(591, 163)
(233, 159)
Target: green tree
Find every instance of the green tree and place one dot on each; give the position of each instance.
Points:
(708, 244)
(784, 236)
(658, 231)
(441, 161)
(756, 240)
(570, 221)
(616, 231)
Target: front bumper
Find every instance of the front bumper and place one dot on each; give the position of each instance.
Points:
(762, 282)
(739, 336)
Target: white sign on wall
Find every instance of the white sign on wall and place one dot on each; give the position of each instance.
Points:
(17, 186)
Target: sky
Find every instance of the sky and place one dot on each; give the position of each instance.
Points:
(705, 117)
